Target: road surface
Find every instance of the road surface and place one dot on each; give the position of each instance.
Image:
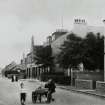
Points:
(9, 95)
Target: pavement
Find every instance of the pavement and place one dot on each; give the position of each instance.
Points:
(94, 92)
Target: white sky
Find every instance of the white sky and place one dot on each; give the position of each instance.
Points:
(20, 19)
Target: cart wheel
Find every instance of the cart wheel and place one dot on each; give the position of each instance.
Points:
(33, 97)
(49, 97)
(39, 98)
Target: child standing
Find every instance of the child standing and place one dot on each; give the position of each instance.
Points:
(22, 94)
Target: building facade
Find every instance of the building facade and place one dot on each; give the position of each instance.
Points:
(33, 70)
(56, 39)
(80, 28)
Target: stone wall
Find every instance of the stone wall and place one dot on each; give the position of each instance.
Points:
(100, 86)
(83, 84)
(95, 76)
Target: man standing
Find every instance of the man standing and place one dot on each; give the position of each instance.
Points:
(51, 89)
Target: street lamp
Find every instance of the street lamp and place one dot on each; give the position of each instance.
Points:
(104, 49)
(70, 73)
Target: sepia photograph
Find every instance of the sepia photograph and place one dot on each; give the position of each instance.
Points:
(52, 52)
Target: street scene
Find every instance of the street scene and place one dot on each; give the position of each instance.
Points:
(10, 95)
(52, 52)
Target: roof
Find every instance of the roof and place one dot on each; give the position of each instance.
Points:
(20, 67)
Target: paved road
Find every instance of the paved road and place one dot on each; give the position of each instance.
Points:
(9, 95)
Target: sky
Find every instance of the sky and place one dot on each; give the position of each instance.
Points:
(20, 19)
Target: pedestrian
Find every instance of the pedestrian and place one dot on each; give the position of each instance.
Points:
(22, 94)
(12, 78)
(16, 78)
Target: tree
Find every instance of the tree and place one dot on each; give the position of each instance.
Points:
(43, 55)
(70, 55)
(88, 50)
(93, 56)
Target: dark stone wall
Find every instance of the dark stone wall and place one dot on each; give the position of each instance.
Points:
(95, 76)
(100, 86)
(83, 84)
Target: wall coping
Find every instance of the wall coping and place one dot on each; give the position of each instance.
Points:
(83, 80)
(100, 81)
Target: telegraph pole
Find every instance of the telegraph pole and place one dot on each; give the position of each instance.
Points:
(62, 22)
(104, 49)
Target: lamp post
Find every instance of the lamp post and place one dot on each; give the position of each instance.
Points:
(104, 49)
(70, 73)
(71, 77)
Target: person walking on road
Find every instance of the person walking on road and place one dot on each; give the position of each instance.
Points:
(51, 89)
(22, 94)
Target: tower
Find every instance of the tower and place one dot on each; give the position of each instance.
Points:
(32, 43)
(32, 49)
(23, 58)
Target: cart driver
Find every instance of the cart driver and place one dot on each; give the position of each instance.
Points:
(51, 87)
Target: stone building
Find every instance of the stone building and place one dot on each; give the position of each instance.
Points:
(56, 39)
(80, 28)
(33, 70)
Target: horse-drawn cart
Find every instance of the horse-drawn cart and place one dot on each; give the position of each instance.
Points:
(38, 94)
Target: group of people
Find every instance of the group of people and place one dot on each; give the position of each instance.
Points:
(50, 85)
(14, 78)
